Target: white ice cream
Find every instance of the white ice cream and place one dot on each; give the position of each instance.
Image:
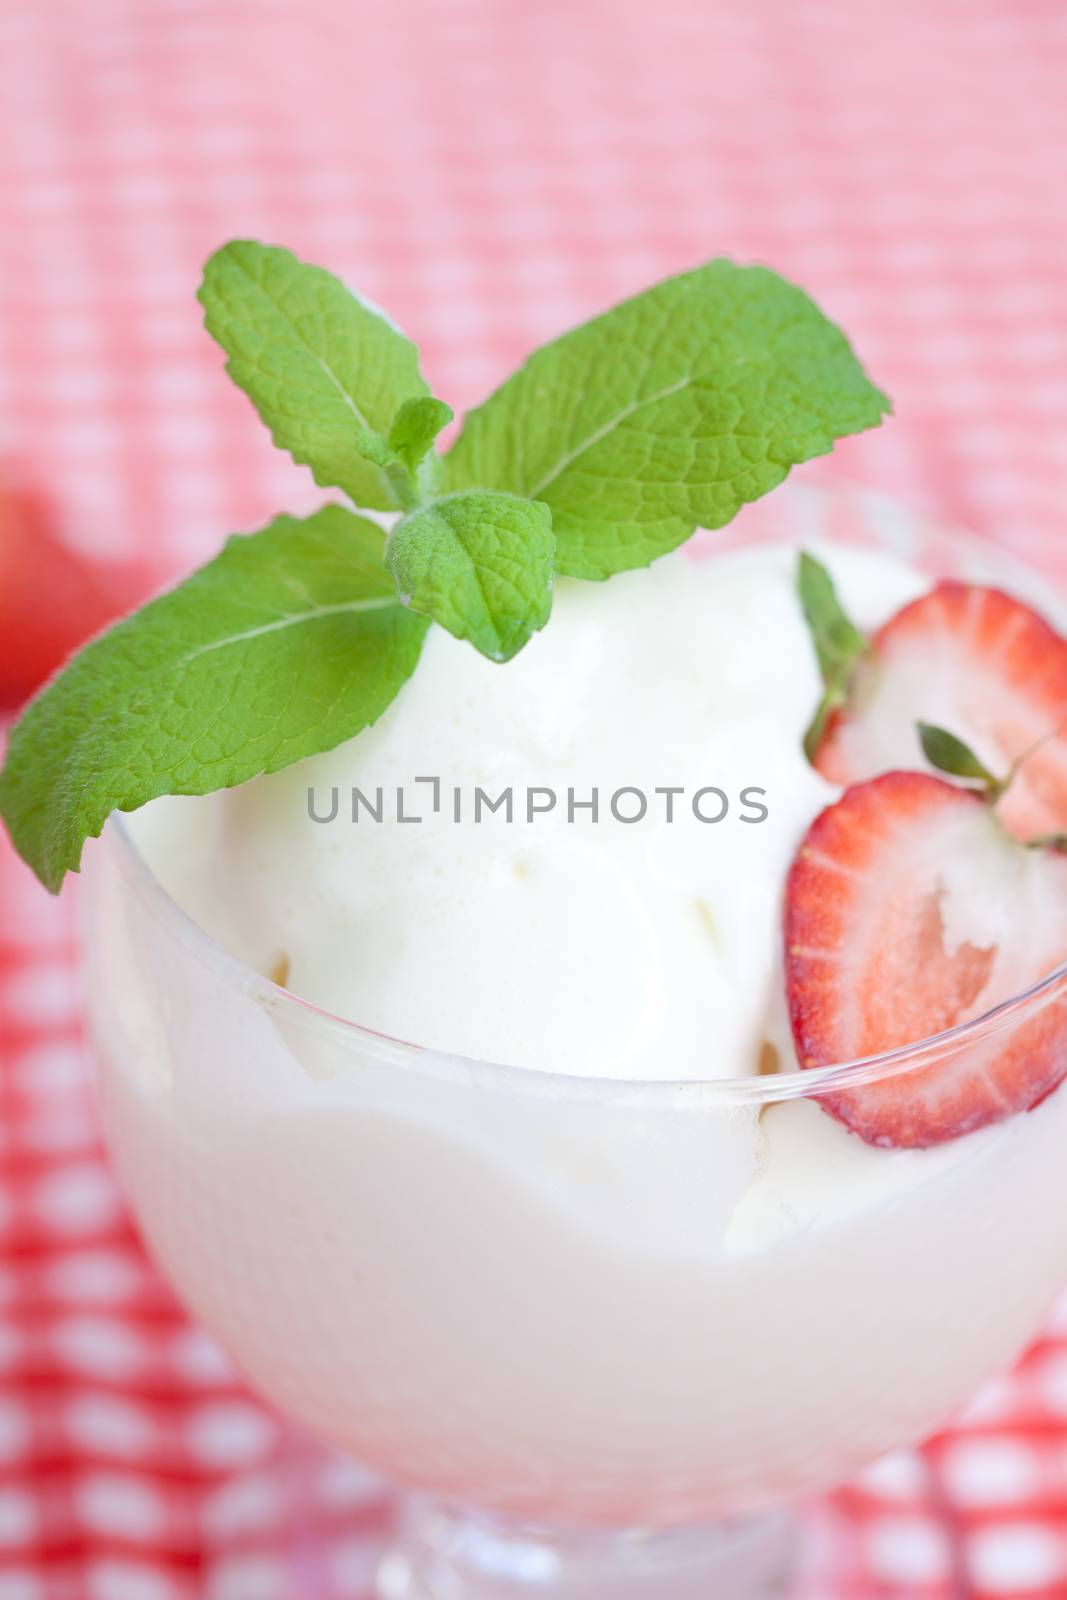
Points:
(642, 950)
(608, 1302)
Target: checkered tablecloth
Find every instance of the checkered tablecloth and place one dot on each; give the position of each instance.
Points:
(491, 170)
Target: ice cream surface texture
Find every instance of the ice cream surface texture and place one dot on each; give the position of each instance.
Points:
(612, 1302)
(646, 949)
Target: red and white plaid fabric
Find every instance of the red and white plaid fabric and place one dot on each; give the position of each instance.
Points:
(492, 171)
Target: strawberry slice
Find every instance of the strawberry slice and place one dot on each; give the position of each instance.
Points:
(909, 909)
(973, 660)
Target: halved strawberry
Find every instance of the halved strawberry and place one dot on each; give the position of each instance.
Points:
(973, 660)
(908, 910)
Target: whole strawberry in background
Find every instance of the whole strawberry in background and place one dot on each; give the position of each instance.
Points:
(52, 598)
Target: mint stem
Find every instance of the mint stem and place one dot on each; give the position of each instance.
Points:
(404, 485)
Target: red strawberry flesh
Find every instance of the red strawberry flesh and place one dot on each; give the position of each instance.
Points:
(881, 902)
(975, 661)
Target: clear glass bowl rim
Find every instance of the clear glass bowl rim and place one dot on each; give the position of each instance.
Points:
(755, 1092)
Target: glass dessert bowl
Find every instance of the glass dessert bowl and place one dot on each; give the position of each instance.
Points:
(601, 1330)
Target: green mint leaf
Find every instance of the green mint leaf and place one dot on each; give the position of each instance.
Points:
(326, 372)
(288, 642)
(481, 564)
(376, 449)
(402, 482)
(413, 431)
(838, 643)
(667, 413)
(949, 754)
(416, 426)
(406, 457)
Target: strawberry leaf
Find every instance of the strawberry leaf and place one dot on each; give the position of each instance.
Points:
(951, 755)
(839, 645)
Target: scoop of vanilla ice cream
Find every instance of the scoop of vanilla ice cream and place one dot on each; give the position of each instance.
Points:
(648, 949)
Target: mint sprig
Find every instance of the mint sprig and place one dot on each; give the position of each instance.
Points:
(289, 641)
(667, 413)
(604, 451)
